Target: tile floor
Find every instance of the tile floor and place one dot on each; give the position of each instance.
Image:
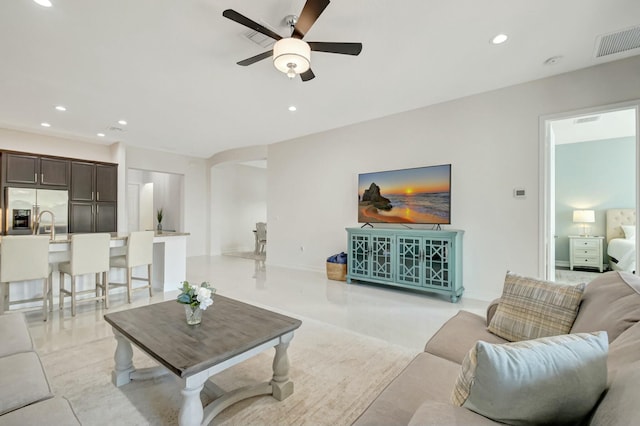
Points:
(400, 317)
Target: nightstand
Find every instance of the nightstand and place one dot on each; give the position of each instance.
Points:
(585, 252)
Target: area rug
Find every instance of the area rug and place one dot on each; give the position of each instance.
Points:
(336, 374)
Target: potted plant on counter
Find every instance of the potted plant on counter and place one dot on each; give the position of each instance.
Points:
(159, 216)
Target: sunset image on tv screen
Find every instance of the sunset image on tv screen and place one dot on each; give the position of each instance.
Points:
(419, 195)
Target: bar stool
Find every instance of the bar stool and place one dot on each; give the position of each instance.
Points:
(89, 255)
(25, 258)
(139, 253)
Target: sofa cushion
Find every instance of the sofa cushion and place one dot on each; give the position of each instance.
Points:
(531, 308)
(52, 412)
(458, 335)
(427, 377)
(28, 381)
(611, 302)
(14, 334)
(624, 350)
(551, 380)
(432, 413)
(620, 404)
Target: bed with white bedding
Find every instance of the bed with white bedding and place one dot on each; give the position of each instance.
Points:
(621, 239)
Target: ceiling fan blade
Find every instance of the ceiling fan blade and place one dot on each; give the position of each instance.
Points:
(310, 13)
(307, 75)
(342, 48)
(254, 59)
(243, 20)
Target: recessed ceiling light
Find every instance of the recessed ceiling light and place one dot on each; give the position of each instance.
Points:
(45, 3)
(45, 124)
(499, 39)
(61, 108)
(553, 60)
(101, 135)
(292, 108)
(123, 122)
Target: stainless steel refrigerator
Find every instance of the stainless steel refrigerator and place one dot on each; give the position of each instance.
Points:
(24, 205)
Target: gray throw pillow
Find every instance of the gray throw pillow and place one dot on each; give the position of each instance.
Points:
(552, 380)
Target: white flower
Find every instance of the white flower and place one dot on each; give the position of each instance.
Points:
(203, 293)
(205, 303)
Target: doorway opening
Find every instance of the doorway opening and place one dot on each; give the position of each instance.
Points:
(148, 192)
(590, 163)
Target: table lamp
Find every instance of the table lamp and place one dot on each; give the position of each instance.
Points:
(584, 217)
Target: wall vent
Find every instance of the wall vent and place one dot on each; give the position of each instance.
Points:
(618, 42)
(259, 38)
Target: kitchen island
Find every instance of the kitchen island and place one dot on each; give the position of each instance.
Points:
(169, 265)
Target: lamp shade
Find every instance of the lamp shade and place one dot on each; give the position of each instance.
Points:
(584, 216)
(291, 54)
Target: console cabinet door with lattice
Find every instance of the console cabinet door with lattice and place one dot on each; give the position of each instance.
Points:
(359, 264)
(382, 253)
(423, 260)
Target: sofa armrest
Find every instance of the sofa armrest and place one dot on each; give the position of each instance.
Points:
(491, 309)
(432, 413)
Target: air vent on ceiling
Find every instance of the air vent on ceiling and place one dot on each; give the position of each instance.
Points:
(618, 42)
(259, 38)
(586, 119)
(115, 129)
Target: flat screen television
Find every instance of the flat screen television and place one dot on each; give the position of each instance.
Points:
(418, 195)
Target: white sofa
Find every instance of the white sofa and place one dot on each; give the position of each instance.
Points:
(26, 397)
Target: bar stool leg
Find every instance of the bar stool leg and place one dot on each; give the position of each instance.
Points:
(45, 298)
(3, 301)
(50, 292)
(97, 286)
(129, 284)
(150, 284)
(61, 296)
(73, 295)
(105, 290)
(7, 297)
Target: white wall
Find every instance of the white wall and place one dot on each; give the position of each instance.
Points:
(239, 200)
(490, 139)
(62, 147)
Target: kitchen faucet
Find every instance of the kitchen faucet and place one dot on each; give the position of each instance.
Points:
(36, 225)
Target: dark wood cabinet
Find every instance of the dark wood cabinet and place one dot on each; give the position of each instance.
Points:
(93, 194)
(82, 181)
(54, 172)
(36, 171)
(106, 214)
(21, 169)
(80, 217)
(106, 183)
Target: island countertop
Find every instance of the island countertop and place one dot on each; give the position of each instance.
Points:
(66, 238)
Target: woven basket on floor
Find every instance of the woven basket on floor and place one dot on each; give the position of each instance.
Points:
(337, 271)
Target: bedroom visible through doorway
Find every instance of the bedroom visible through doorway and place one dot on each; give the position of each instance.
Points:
(591, 169)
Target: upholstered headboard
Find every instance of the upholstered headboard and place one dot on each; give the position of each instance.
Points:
(617, 217)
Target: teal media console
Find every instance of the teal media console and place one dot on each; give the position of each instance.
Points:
(423, 260)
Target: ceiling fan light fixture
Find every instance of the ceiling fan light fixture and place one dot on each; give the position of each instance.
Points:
(291, 56)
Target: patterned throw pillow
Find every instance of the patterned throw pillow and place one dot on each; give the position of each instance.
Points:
(553, 380)
(531, 308)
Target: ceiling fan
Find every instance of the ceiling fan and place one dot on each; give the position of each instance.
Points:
(292, 55)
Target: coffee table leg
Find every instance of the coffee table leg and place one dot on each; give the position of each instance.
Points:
(121, 375)
(281, 385)
(192, 412)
